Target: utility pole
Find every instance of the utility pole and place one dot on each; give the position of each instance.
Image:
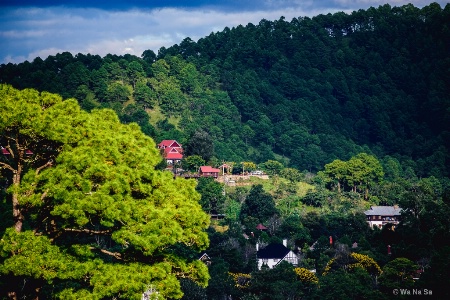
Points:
(224, 178)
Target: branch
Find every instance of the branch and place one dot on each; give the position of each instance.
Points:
(44, 194)
(6, 166)
(117, 255)
(88, 231)
(47, 164)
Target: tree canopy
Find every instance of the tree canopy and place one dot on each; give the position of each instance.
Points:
(90, 215)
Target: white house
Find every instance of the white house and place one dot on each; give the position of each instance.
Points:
(273, 254)
(381, 215)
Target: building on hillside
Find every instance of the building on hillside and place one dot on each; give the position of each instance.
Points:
(381, 215)
(172, 151)
(205, 259)
(273, 254)
(207, 171)
(261, 227)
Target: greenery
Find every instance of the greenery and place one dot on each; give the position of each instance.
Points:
(340, 111)
(90, 217)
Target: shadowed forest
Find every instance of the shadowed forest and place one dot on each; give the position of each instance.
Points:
(342, 111)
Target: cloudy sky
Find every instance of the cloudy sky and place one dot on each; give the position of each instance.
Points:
(32, 28)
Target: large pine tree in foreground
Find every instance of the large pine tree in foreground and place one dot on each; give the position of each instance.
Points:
(88, 216)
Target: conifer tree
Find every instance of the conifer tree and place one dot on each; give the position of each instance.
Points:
(91, 217)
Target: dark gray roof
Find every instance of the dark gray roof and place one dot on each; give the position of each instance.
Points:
(383, 211)
(277, 251)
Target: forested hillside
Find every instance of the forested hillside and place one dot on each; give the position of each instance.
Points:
(305, 91)
(313, 88)
(342, 112)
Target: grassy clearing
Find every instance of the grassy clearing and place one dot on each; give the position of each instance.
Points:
(157, 115)
(273, 184)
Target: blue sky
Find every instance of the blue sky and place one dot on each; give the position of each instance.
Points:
(30, 29)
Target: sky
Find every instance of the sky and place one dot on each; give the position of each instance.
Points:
(39, 28)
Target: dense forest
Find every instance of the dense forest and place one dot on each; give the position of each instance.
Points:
(342, 111)
(306, 91)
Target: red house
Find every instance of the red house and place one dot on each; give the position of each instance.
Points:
(172, 151)
(207, 171)
(169, 144)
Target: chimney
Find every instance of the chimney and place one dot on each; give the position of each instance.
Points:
(285, 242)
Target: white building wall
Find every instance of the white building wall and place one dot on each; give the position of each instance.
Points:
(272, 262)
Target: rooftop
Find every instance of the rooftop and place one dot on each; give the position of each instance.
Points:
(278, 251)
(383, 211)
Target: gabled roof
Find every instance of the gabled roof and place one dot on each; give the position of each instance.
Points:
(277, 251)
(204, 256)
(169, 143)
(383, 211)
(173, 155)
(208, 169)
(172, 150)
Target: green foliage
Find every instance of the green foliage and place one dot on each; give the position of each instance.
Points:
(398, 273)
(278, 283)
(192, 163)
(95, 219)
(359, 173)
(258, 204)
(117, 92)
(300, 93)
(273, 167)
(200, 143)
(316, 93)
(291, 174)
(344, 285)
(212, 199)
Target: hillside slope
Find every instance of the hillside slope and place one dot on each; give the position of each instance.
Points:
(306, 91)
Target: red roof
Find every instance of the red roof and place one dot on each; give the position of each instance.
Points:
(6, 152)
(173, 155)
(208, 169)
(172, 150)
(169, 143)
(261, 227)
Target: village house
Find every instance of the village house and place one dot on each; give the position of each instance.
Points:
(274, 253)
(172, 151)
(381, 215)
(207, 171)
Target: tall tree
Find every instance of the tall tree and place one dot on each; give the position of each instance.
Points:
(91, 217)
(200, 143)
(258, 204)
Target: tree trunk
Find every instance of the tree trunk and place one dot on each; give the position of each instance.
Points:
(17, 212)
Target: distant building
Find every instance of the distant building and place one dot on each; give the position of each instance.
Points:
(207, 171)
(171, 150)
(273, 254)
(205, 259)
(381, 215)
